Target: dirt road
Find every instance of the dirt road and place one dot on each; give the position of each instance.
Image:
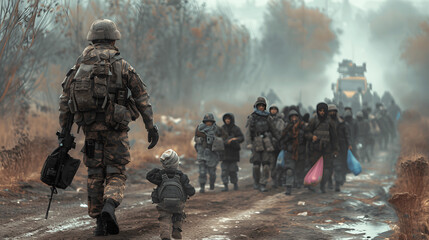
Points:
(359, 211)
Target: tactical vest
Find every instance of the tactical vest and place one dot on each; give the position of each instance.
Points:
(97, 92)
(259, 125)
(323, 142)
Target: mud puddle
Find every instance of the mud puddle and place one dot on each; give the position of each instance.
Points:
(366, 229)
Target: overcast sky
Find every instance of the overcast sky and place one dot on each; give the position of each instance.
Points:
(350, 47)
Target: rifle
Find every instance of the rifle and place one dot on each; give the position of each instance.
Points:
(59, 168)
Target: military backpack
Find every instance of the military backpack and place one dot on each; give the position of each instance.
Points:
(97, 92)
(170, 193)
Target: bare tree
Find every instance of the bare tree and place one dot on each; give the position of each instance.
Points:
(22, 29)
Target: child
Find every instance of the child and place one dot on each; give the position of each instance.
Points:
(172, 190)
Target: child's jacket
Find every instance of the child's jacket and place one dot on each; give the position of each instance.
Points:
(155, 176)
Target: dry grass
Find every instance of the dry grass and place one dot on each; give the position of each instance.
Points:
(410, 197)
(28, 138)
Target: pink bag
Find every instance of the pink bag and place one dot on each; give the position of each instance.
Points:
(314, 176)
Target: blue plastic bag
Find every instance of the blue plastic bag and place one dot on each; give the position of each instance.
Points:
(353, 164)
(281, 159)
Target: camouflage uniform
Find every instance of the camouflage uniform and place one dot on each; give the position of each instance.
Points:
(259, 136)
(207, 157)
(106, 147)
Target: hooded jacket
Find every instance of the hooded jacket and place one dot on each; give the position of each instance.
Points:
(325, 130)
(232, 150)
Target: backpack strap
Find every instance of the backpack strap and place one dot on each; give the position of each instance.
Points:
(164, 177)
(119, 88)
(177, 176)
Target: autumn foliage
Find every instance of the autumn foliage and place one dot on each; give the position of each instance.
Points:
(298, 41)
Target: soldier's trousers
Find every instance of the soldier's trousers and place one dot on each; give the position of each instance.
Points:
(106, 154)
(229, 172)
(168, 221)
(328, 161)
(300, 166)
(290, 171)
(261, 159)
(204, 168)
(340, 168)
(275, 172)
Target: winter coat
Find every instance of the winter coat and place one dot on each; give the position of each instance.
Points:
(279, 125)
(155, 176)
(204, 148)
(344, 138)
(293, 140)
(232, 150)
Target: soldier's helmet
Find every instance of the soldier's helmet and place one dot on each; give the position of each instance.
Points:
(332, 107)
(103, 29)
(292, 113)
(274, 107)
(209, 117)
(260, 100)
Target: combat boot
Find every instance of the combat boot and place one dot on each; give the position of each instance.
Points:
(202, 186)
(330, 185)
(322, 188)
(177, 233)
(337, 187)
(288, 190)
(100, 229)
(109, 218)
(235, 186)
(262, 188)
(225, 189)
(211, 186)
(256, 186)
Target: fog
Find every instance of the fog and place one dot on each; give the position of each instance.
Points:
(386, 35)
(196, 51)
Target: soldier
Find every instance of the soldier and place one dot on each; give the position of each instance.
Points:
(294, 144)
(340, 163)
(209, 142)
(232, 151)
(362, 132)
(259, 136)
(394, 111)
(279, 124)
(322, 136)
(95, 91)
(386, 125)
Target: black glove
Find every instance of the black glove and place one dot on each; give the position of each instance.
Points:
(152, 136)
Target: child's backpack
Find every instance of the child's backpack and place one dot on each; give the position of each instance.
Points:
(171, 194)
